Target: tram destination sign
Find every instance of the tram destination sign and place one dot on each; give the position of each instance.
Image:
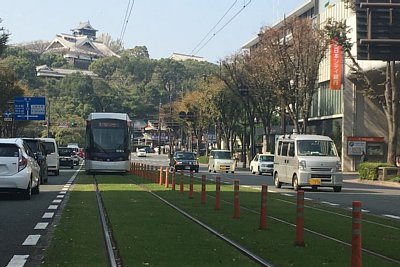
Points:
(30, 108)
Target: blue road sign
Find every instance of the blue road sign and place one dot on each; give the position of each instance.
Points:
(30, 108)
(7, 115)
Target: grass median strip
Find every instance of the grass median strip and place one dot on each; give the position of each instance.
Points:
(150, 233)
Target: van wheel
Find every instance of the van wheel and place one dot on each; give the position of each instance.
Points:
(276, 181)
(209, 170)
(251, 170)
(259, 172)
(214, 169)
(337, 188)
(295, 183)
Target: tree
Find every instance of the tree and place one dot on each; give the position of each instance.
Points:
(387, 97)
(292, 54)
(3, 39)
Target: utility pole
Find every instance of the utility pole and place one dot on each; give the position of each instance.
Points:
(159, 128)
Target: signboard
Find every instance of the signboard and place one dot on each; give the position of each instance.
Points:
(355, 148)
(336, 66)
(30, 108)
(7, 116)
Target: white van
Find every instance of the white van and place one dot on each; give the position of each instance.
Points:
(221, 160)
(307, 160)
(53, 161)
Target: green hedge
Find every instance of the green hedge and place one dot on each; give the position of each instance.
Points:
(369, 170)
(203, 159)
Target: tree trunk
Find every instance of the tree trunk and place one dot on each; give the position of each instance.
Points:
(391, 111)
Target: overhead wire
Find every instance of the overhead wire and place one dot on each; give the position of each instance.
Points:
(229, 9)
(128, 12)
(220, 29)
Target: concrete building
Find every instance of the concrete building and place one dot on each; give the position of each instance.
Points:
(355, 122)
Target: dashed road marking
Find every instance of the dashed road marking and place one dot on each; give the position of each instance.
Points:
(57, 201)
(286, 194)
(63, 192)
(41, 226)
(52, 207)
(329, 203)
(18, 261)
(31, 240)
(48, 215)
(392, 216)
(60, 196)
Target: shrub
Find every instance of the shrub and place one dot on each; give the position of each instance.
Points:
(203, 159)
(369, 170)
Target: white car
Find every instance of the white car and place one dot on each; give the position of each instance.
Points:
(19, 170)
(141, 152)
(262, 163)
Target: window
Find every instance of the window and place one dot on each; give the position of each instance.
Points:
(8, 150)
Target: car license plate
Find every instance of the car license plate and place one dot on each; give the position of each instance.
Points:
(187, 167)
(314, 181)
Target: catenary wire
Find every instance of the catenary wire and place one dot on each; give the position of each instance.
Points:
(126, 19)
(220, 29)
(194, 49)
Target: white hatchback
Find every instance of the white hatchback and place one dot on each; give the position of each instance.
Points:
(19, 170)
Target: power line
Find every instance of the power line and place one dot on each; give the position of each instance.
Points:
(226, 24)
(128, 12)
(214, 26)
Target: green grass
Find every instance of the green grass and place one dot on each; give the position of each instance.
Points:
(150, 233)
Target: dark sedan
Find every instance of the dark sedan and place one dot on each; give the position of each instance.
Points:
(184, 161)
(66, 154)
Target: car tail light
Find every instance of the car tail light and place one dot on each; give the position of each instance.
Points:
(22, 163)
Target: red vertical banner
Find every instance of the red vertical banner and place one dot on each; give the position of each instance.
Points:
(336, 66)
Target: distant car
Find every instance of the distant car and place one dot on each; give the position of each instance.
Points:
(183, 160)
(149, 150)
(262, 163)
(39, 151)
(19, 170)
(141, 152)
(66, 154)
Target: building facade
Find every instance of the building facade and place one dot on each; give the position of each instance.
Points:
(356, 123)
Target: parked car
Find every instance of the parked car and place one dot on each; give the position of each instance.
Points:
(19, 170)
(141, 152)
(183, 160)
(39, 151)
(53, 162)
(66, 154)
(262, 163)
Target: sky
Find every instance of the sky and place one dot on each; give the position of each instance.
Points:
(213, 29)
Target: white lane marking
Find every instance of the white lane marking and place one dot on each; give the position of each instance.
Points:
(392, 216)
(329, 203)
(52, 207)
(41, 226)
(63, 192)
(57, 201)
(48, 215)
(60, 196)
(18, 261)
(307, 198)
(286, 194)
(272, 191)
(31, 240)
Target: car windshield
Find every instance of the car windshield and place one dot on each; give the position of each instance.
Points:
(267, 158)
(33, 145)
(65, 151)
(222, 155)
(184, 156)
(316, 148)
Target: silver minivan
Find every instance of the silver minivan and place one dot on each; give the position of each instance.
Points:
(303, 160)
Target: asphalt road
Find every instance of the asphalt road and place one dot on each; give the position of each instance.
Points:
(20, 217)
(381, 200)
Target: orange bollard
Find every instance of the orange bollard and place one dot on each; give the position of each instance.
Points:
(161, 176)
(203, 189)
(356, 255)
(300, 219)
(166, 177)
(236, 203)
(191, 185)
(181, 182)
(173, 179)
(263, 211)
(217, 193)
